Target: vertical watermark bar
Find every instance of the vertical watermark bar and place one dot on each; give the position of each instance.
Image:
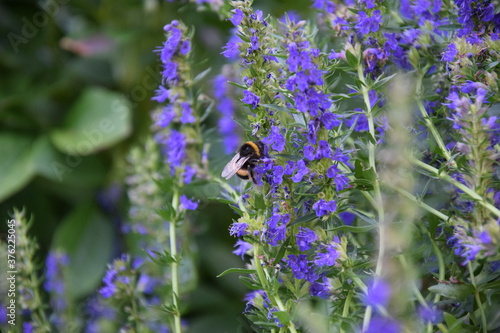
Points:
(11, 271)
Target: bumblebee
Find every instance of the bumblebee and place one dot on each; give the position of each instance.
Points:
(245, 160)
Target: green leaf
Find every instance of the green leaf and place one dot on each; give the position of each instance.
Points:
(283, 317)
(97, 120)
(276, 107)
(492, 65)
(281, 251)
(454, 325)
(352, 60)
(202, 75)
(167, 212)
(365, 217)
(365, 174)
(236, 270)
(454, 291)
(250, 283)
(362, 229)
(259, 201)
(67, 170)
(304, 219)
(87, 238)
(449, 27)
(237, 85)
(17, 166)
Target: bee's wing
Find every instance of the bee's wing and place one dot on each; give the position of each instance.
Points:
(234, 165)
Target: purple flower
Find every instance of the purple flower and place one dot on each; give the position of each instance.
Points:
(188, 204)
(320, 289)
(367, 24)
(27, 327)
(374, 57)
(329, 257)
(341, 180)
(171, 45)
(275, 139)
(304, 238)
(302, 170)
(254, 43)
(450, 53)
(330, 120)
(241, 248)
(237, 17)
(379, 293)
(231, 50)
(164, 118)
(323, 150)
(109, 288)
(368, 3)
(54, 274)
(383, 325)
(277, 175)
(299, 265)
(336, 55)
(238, 229)
(430, 314)
(170, 72)
(309, 152)
(347, 217)
(161, 94)
(227, 126)
(147, 284)
(360, 120)
(323, 207)
(275, 229)
(187, 113)
(188, 174)
(327, 5)
(185, 47)
(250, 98)
(174, 148)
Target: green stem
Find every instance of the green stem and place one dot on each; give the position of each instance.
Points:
(477, 298)
(347, 305)
(271, 294)
(421, 204)
(175, 265)
(427, 120)
(376, 188)
(441, 267)
(235, 195)
(446, 177)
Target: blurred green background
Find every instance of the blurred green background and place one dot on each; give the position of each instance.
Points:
(76, 81)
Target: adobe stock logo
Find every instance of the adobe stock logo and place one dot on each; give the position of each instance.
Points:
(30, 28)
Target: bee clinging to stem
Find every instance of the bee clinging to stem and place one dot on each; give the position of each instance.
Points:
(245, 160)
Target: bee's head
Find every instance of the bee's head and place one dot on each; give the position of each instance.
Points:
(251, 148)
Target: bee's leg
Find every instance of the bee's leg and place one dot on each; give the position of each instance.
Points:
(252, 175)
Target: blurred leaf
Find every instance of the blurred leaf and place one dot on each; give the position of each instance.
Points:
(449, 27)
(87, 238)
(259, 202)
(17, 166)
(97, 120)
(202, 75)
(68, 170)
(304, 219)
(349, 228)
(236, 270)
(453, 291)
(281, 251)
(284, 317)
(352, 60)
(278, 108)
